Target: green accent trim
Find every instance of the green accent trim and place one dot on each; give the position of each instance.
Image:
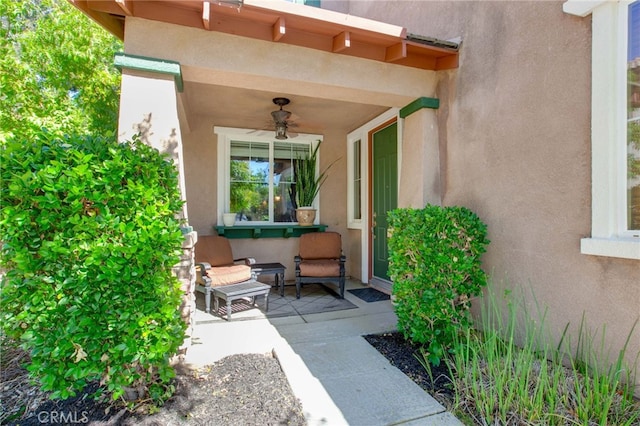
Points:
(143, 63)
(267, 231)
(418, 104)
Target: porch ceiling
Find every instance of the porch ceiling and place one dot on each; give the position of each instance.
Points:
(250, 108)
(281, 22)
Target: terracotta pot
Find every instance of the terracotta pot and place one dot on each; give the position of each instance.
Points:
(305, 216)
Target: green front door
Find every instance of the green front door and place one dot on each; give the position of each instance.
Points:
(384, 194)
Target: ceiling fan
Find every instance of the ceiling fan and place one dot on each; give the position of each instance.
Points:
(281, 119)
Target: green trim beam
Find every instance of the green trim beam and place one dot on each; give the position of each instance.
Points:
(143, 63)
(267, 231)
(419, 104)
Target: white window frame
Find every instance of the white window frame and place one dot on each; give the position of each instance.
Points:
(354, 222)
(609, 234)
(228, 134)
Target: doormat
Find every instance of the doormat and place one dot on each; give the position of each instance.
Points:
(369, 294)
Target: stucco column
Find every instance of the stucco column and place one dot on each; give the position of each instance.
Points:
(420, 164)
(149, 107)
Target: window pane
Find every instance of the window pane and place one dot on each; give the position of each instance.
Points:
(284, 155)
(249, 184)
(282, 177)
(633, 118)
(262, 181)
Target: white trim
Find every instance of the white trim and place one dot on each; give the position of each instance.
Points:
(225, 136)
(352, 221)
(362, 133)
(609, 236)
(581, 7)
(615, 247)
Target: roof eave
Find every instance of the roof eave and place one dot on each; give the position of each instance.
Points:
(283, 22)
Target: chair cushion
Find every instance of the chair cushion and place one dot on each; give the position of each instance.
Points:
(214, 250)
(320, 245)
(320, 268)
(223, 275)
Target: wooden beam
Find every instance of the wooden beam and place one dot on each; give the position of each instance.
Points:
(279, 29)
(108, 22)
(342, 41)
(396, 52)
(126, 6)
(447, 62)
(206, 15)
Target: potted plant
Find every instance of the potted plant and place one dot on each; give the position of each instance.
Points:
(229, 219)
(307, 185)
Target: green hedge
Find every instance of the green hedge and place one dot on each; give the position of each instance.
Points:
(90, 235)
(434, 263)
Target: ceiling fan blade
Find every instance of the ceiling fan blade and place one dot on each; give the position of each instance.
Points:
(294, 117)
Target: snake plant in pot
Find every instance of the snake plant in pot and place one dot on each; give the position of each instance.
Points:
(308, 185)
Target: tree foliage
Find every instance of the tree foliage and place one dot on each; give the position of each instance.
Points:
(56, 70)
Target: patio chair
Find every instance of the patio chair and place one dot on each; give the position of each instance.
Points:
(320, 260)
(216, 267)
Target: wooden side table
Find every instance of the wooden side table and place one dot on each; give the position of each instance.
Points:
(232, 292)
(271, 268)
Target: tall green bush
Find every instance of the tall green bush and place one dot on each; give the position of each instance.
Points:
(89, 238)
(434, 263)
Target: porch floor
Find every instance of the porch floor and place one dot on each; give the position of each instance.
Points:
(339, 378)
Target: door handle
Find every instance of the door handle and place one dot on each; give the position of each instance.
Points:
(374, 223)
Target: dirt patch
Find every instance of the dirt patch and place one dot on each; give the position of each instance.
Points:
(243, 389)
(402, 354)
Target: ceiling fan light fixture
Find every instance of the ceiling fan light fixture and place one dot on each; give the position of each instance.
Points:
(280, 118)
(281, 130)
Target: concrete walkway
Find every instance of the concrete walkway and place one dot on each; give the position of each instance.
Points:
(339, 378)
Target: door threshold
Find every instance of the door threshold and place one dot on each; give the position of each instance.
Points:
(383, 285)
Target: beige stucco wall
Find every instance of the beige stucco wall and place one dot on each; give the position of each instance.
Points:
(419, 178)
(201, 175)
(221, 59)
(200, 154)
(514, 130)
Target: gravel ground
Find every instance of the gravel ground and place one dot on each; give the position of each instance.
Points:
(243, 389)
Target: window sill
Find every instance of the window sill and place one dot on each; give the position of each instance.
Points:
(625, 248)
(267, 231)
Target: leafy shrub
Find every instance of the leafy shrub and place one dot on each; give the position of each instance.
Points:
(434, 262)
(90, 234)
